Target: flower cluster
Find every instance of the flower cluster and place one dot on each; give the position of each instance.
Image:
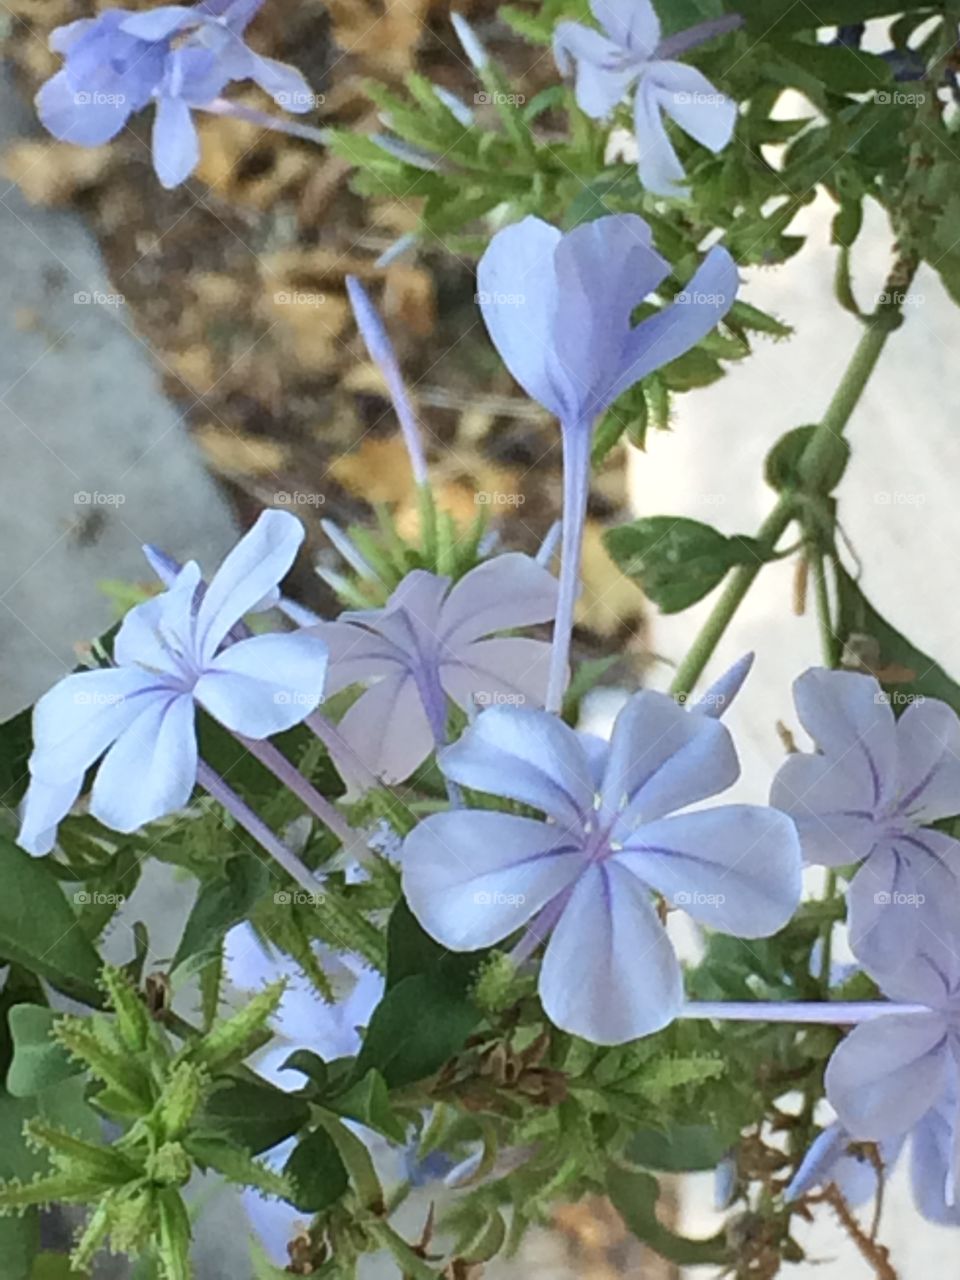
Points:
(179, 57)
(629, 53)
(491, 892)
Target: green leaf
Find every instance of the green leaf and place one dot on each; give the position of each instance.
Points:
(309, 1064)
(678, 15)
(418, 1026)
(677, 561)
(683, 1149)
(634, 1196)
(235, 1164)
(220, 905)
(19, 1242)
(53, 1266)
(253, 1114)
(837, 68)
(765, 16)
(316, 1172)
(745, 317)
(368, 1100)
(694, 369)
(411, 952)
(38, 1061)
(39, 930)
(906, 671)
(16, 743)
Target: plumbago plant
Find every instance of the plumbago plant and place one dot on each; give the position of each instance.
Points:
(432, 915)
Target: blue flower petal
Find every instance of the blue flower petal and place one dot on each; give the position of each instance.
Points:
(633, 24)
(674, 330)
(266, 684)
(503, 593)
(610, 973)
(44, 807)
(82, 715)
(688, 97)
(151, 769)
(888, 1073)
(662, 759)
(735, 867)
(529, 756)
(259, 561)
(176, 147)
(474, 878)
(849, 718)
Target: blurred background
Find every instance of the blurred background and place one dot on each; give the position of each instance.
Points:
(172, 362)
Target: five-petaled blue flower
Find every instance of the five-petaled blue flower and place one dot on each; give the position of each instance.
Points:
(627, 53)
(866, 798)
(585, 875)
(432, 642)
(171, 653)
(900, 1071)
(177, 56)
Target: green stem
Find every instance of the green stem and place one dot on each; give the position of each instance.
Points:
(815, 466)
(828, 635)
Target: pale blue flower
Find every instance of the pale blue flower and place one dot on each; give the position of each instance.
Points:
(583, 879)
(628, 54)
(303, 1021)
(430, 643)
(171, 653)
(867, 798)
(179, 57)
(901, 1069)
(559, 309)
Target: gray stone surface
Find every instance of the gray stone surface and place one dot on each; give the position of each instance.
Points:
(95, 461)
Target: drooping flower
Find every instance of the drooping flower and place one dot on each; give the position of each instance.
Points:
(303, 1021)
(628, 53)
(559, 309)
(430, 642)
(180, 57)
(901, 1069)
(171, 653)
(866, 798)
(835, 1157)
(584, 877)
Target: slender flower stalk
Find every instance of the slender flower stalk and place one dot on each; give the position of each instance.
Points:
(684, 41)
(272, 758)
(548, 547)
(350, 552)
(576, 489)
(381, 352)
(224, 794)
(357, 773)
(839, 1013)
(237, 111)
